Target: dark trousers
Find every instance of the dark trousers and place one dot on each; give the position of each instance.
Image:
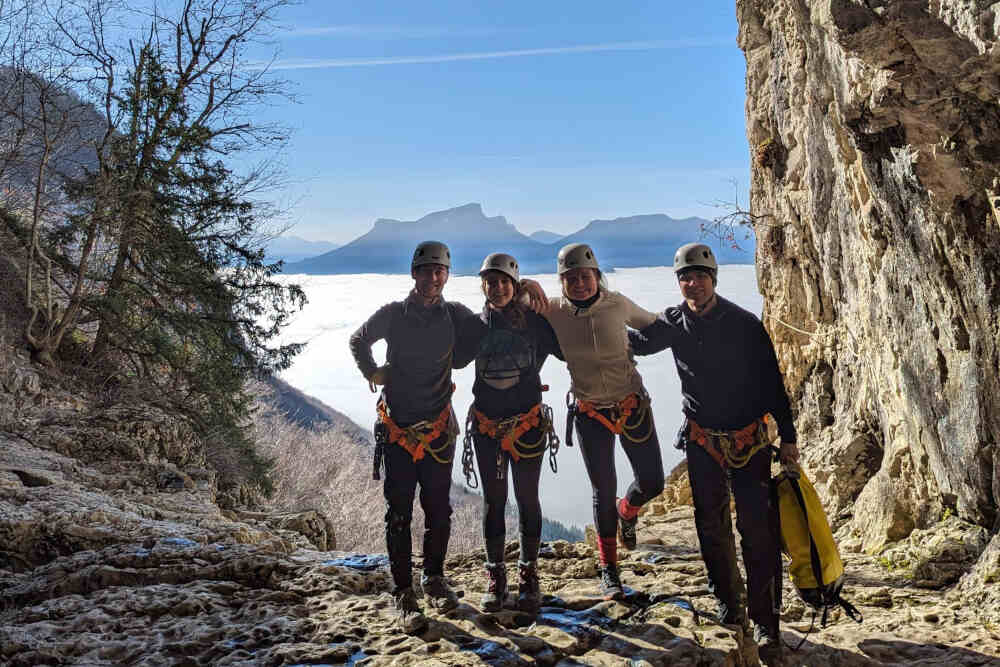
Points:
(526, 473)
(597, 444)
(402, 474)
(755, 519)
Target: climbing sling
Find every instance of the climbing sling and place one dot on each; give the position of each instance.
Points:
(618, 423)
(508, 432)
(816, 570)
(732, 449)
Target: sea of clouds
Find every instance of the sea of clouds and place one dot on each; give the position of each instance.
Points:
(338, 305)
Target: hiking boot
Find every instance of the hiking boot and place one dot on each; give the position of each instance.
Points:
(529, 596)
(626, 531)
(496, 587)
(438, 594)
(611, 583)
(769, 647)
(731, 615)
(409, 617)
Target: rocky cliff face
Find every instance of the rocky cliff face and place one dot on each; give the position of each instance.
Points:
(875, 134)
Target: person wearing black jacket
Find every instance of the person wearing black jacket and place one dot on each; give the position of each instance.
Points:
(417, 425)
(508, 424)
(729, 380)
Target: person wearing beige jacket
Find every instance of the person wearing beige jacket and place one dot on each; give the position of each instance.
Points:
(608, 399)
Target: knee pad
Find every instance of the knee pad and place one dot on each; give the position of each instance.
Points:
(396, 523)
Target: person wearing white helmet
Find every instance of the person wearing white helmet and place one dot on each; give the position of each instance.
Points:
(608, 400)
(508, 427)
(729, 381)
(416, 430)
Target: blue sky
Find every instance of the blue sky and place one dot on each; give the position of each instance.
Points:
(549, 113)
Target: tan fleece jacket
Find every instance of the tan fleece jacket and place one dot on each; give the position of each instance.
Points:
(595, 344)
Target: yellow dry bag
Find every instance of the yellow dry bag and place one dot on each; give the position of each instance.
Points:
(816, 569)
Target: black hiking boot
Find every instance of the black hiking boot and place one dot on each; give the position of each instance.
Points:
(439, 595)
(496, 587)
(626, 531)
(769, 646)
(731, 615)
(409, 616)
(611, 583)
(529, 595)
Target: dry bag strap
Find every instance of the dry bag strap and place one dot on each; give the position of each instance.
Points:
(732, 449)
(417, 438)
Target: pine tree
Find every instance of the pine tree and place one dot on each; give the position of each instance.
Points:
(157, 249)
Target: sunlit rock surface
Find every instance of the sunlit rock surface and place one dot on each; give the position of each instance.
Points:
(136, 565)
(874, 131)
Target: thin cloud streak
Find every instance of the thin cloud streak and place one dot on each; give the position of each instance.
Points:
(490, 55)
(390, 31)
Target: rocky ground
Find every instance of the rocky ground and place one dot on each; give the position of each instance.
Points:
(135, 564)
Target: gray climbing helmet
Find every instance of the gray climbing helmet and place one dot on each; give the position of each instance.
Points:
(576, 256)
(695, 256)
(502, 262)
(431, 252)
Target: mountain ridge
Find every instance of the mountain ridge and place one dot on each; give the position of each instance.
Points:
(639, 240)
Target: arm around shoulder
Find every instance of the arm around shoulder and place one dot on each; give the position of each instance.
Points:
(636, 316)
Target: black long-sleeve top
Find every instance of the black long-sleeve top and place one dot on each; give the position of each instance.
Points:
(421, 343)
(508, 360)
(727, 366)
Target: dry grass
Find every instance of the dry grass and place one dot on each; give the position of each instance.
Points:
(330, 470)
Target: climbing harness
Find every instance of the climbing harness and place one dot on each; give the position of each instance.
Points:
(508, 433)
(619, 413)
(732, 449)
(417, 438)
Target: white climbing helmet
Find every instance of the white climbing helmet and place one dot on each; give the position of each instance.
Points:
(502, 262)
(576, 256)
(431, 252)
(695, 256)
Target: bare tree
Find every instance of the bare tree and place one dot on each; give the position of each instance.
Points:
(736, 222)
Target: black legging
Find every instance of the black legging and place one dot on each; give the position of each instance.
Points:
(402, 474)
(526, 473)
(597, 447)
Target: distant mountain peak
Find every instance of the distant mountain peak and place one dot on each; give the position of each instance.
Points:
(545, 236)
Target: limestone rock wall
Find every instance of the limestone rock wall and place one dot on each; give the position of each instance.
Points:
(874, 129)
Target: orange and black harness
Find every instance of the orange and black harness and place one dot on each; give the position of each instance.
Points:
(417, 438)
(617, 419)
(508, 433)
(732, 449)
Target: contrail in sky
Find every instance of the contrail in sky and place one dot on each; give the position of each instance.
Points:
(323, 63)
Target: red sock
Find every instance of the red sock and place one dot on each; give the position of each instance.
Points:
(608, 548)
(627, 511)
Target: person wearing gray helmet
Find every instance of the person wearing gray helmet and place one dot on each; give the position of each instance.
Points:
(730, 381)
(607, 400)
(416, 429)
(508, 427)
